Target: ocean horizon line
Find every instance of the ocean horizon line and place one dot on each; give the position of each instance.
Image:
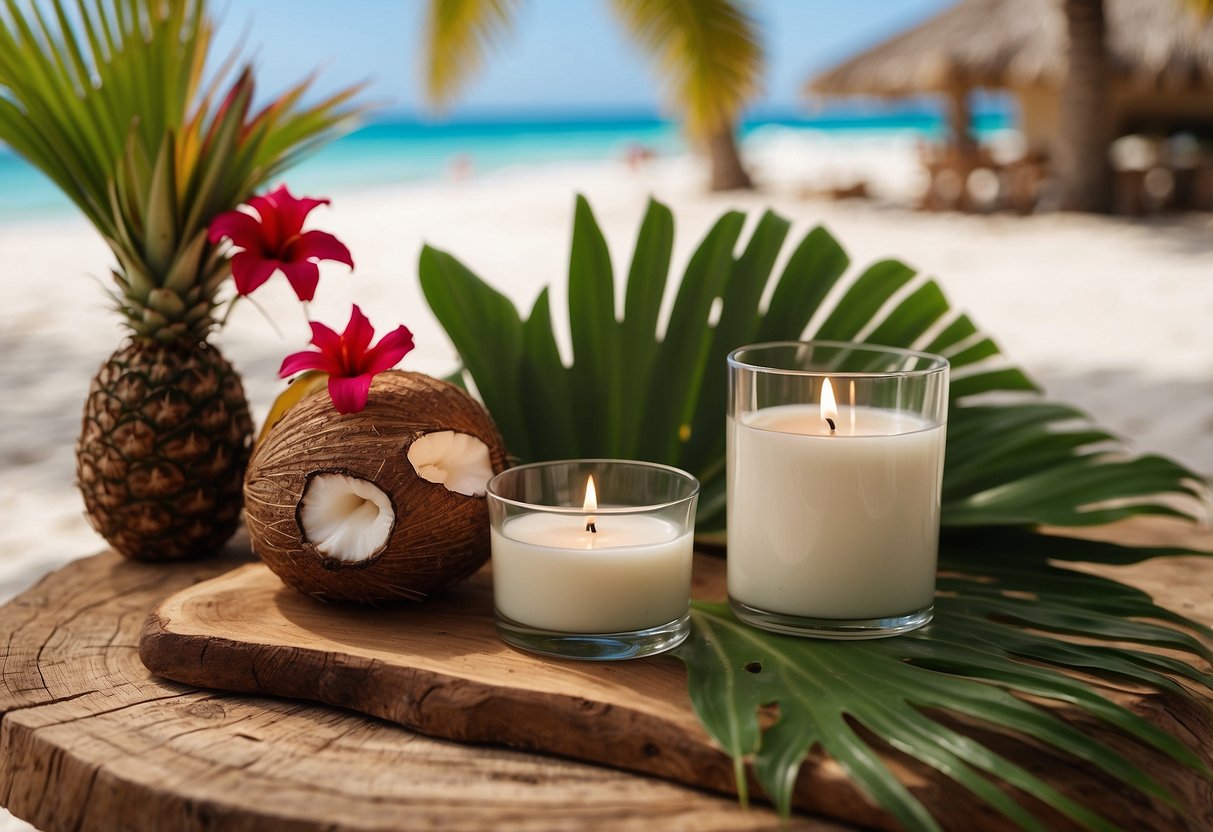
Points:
(395, 148)
(857, 109)
(864, 113)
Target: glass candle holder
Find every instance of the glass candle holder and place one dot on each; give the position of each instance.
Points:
(592, 558)
(835, 463)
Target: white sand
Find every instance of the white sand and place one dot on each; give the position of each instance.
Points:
(1109, 314)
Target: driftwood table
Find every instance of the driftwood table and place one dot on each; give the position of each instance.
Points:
(89, 739)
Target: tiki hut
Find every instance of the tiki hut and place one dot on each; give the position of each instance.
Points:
(1160, 54)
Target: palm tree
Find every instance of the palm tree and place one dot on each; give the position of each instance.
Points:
(707, 49)
(1084, 129)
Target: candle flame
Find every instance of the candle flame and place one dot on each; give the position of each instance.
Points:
(852, 407)
(590, 504)
(829, 406)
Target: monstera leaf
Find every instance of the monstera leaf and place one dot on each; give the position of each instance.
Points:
(997, 655)
(1018, 636)
(632, 394)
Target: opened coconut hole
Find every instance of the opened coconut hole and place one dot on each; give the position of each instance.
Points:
(347, 518)
(456, 460)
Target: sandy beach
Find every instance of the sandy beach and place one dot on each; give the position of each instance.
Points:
(1109, 314)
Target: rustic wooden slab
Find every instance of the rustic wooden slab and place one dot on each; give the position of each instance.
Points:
(90, 740)
(439, 668)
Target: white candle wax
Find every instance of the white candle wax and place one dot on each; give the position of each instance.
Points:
(552, 574)
(835, 525)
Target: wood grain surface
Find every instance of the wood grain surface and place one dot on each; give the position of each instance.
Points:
(90, 740)
(439, 668)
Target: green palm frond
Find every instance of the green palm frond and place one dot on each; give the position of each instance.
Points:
(1018, 635)
(708, 50)
(997, 661)
(459, 33)
(630, 394)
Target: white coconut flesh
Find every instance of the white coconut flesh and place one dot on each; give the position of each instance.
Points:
(346, 518)
(458, 461)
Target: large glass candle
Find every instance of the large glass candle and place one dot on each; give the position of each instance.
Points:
(592, 558)
(835, 463)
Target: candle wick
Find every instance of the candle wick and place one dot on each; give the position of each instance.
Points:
(830, 421)
(591, 527)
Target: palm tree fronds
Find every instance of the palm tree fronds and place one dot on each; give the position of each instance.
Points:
(458, 35)
(1023, 461)
(709, 49)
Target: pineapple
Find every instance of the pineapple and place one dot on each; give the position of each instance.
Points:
(109, 101)
(163, 448)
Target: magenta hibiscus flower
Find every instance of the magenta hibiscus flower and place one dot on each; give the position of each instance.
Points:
(274, 241)
(348, 361)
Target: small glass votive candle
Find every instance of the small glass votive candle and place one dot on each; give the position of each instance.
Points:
(592, 558)
(835, 463)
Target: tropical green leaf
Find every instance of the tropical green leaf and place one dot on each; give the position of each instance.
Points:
(738, 319)
(1016, 632)
(546, 382)
(814, 267)
(642, 309)
(1022, 462)
(999, 652)
(468, 310)
(679, 367)
(863, 299)
(597, 378)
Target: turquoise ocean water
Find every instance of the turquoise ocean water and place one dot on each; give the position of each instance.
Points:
(390, 152)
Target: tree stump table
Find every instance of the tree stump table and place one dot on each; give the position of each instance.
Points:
(89, 739)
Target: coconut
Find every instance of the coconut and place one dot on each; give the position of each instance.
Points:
(381, 505)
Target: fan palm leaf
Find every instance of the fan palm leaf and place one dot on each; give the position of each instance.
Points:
(1019, 462)
(1017, 635)
(999, 654)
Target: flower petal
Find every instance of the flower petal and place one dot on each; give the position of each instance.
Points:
(289, 211)
(356, 338)
(388, 352)
(349, 393)
(307, 360)
(271, 222)
(318, 245)
(241, 228)
(250, 269)
(327, 340)
(292, 211)
(304, 275)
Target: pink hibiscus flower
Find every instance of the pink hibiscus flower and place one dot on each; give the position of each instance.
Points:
(274, 241)
(348, 361)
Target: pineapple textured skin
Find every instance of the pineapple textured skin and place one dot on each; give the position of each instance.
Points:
(163, 446)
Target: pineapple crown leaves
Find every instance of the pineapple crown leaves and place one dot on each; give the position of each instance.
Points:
(109, 102)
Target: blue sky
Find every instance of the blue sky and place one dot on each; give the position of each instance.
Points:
(563, 55)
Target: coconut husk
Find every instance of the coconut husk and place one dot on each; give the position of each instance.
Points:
(439, 538)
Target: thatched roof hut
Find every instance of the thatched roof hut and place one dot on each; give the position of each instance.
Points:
(1160, 54)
